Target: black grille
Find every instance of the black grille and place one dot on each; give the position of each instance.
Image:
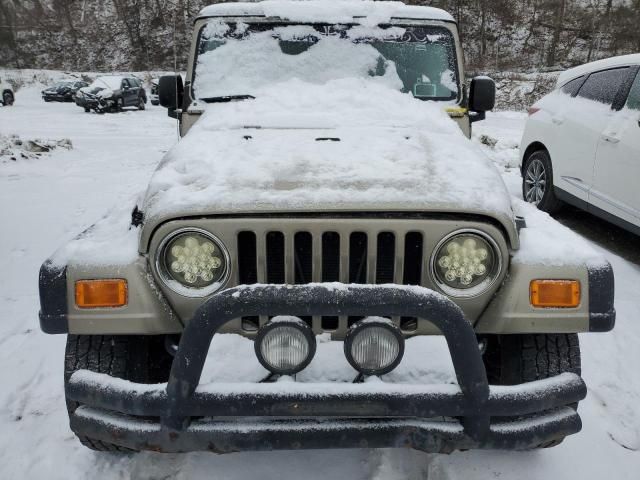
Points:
(388, 250)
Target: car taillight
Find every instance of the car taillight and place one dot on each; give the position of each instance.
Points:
(532, 110)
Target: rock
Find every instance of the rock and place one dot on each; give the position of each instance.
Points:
(36, 147)
(489, 141)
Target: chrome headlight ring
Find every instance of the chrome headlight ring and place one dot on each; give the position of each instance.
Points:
(493, 272)
(179, 287)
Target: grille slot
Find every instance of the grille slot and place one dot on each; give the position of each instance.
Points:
(413, 247)
(358, 257)
(303, 257)
(330, 257)
(385, 257)
(247, 258)
(248, 272)
(358, 246)
(275, 257)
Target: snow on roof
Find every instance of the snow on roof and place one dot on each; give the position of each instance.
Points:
(336, 11)
(633, 59)
(112, 81)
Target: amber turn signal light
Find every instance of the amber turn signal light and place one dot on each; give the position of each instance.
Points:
(101, 293)
(554, 293)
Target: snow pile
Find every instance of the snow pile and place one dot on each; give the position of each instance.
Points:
(110, 241)
(335, 11)
(546, 242)
(263, 62)
(350, 144)
(13, 148)
(500, 141)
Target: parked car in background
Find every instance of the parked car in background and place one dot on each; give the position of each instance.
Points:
(112, 93)
(581, 144)
(64, 91)
(155, 100)
(8, 96)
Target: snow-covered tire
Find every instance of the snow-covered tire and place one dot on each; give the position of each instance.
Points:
(7, 99)
(87, 109)
(515, 359)
(136, 358)
(141, 103)
(538, 164)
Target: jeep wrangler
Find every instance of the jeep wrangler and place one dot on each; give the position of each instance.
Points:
(324, 184)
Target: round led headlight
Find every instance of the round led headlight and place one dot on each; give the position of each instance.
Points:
(285, 345)
(374, 346)
(193, 262)
(466, 263)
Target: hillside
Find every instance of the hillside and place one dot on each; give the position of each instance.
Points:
(520, 35)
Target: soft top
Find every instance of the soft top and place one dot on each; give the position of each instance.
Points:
(330, 11)
(621, 61)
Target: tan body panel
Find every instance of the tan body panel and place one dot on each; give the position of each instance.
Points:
(511, 311)
(146, 312)
(155, 309)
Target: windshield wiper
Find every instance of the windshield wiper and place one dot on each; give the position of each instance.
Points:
(227, 98)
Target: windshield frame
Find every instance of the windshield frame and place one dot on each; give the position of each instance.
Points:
(406, 23)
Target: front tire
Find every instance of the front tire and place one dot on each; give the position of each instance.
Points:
(537, 182)
(138, 358)
(521, 358)
(141, 103)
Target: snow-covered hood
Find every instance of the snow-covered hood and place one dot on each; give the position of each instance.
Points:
(364, 149)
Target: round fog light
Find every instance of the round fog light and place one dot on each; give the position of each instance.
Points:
(374, 346)
(285, 345)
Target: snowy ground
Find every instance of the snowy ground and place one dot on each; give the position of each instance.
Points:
(49, 198)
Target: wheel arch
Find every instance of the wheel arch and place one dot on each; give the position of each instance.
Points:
(534, 147)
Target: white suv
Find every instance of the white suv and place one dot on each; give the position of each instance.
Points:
(581, 143)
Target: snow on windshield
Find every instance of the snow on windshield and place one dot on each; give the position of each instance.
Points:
(241, 59)
(112, 83)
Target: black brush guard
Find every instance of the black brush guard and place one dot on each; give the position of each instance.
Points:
(179, 418)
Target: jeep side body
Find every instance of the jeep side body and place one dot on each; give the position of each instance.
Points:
(324, 184)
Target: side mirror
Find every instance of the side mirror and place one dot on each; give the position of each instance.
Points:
(482, 97)
(171, 93)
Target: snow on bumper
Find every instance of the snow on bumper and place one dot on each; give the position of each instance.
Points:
(180, 416)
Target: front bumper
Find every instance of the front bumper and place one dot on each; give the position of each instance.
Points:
(57, 97)
(180, 416)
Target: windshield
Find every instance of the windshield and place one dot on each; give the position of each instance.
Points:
(112, 83)
(240, 59)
